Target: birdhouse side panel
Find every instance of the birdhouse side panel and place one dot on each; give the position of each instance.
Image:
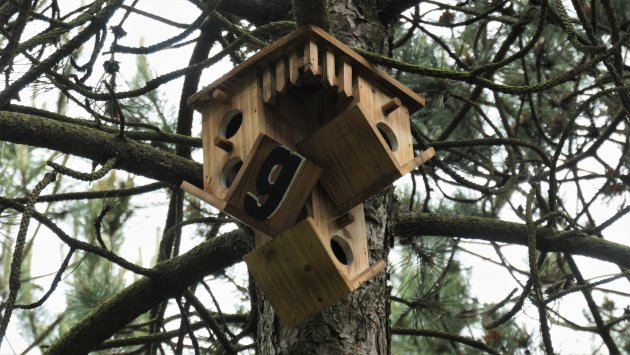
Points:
(230, 128)
(390, 116)
(345, 233)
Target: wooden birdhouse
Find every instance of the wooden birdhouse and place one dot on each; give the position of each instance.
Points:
(295, 139)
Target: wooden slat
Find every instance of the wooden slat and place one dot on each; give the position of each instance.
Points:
(311, 58)
(268, 87)
(344, 79)
(293, 67)
(328, 67)
(281, 75)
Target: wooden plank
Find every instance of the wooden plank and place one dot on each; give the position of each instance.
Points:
(328, 68)
(296, 273)
(293, 67)
(281, 75)
(203, 195)
(268, 87)
(344, 79)
(360, 65)
(311, 58)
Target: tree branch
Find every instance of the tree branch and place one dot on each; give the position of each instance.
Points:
(134, 157)
(550, 240)
(176, 274)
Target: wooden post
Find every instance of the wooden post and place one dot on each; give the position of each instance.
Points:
(223, 144)
(391, 106)
(311, 58)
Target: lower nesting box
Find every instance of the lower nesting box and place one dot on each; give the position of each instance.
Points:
(313, 264)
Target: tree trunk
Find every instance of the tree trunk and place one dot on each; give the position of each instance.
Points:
(359, 323)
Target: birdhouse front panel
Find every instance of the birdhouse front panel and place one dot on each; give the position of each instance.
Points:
(355, 157)
(345, 232)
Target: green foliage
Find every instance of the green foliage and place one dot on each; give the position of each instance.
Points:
(431, 291)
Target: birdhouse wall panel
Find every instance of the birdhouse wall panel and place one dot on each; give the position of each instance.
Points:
(284, 120)
(323, 213)
(395, 127)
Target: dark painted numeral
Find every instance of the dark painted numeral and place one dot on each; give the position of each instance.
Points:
(272, 183)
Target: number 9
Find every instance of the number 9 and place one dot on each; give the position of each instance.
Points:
(272, 183)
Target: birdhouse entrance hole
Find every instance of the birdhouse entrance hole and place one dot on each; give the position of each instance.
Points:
(341, 250)
(388, 135)
(229, 172)
(231, 123)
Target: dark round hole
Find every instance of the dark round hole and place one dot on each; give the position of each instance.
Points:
(341, 250)
(229, 172)
(388, 135)
(231, 123)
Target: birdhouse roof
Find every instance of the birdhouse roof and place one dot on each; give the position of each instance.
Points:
(322, 39)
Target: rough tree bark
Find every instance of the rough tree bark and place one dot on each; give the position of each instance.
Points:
(359, 323)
